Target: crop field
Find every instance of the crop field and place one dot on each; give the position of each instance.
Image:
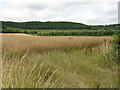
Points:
(58, 61)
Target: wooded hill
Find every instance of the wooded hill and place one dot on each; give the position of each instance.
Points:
(35, 25)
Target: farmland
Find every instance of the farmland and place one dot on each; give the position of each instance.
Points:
(59, 55)
(59, 61)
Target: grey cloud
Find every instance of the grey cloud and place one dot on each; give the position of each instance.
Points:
(36, 6)
(83, 11)
(68, 5)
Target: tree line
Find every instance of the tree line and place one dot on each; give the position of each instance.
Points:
(75, 32)
(36, 25)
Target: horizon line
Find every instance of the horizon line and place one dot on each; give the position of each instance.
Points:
(58, 21)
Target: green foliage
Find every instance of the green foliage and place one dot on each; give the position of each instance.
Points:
(59, 29)
(117, 38)
(0, 30)
(117, 45)
(58, 25)
(113, 52)
(11, 30)
(73, 32)
(76, 32)
(45, 25)
(30, 32)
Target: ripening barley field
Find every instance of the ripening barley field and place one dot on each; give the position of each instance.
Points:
(58, 62)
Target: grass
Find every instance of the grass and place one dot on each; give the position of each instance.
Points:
(58, 62)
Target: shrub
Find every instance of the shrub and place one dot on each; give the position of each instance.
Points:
(117, 38)
(10, 30)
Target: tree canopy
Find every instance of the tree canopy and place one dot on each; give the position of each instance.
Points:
(57, 25)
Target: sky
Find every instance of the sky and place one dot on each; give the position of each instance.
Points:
(91, 12)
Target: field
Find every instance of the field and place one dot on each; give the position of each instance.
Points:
(58, 62)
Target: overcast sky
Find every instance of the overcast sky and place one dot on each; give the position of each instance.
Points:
(84, 11)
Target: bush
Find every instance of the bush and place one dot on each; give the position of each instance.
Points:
(117, 38)
(77, 32)
(117, 46)
(10, 30)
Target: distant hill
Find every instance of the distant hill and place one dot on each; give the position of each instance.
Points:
(57, 25)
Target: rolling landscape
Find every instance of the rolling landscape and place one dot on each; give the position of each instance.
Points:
(60, 44)
(59, 55)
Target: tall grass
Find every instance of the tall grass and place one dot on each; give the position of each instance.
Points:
(58, 62)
